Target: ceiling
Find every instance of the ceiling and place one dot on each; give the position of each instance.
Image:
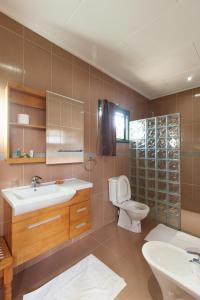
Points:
(150, 45)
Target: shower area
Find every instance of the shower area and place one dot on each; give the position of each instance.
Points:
(155, 166)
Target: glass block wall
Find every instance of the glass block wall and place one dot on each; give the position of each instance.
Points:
(155, 166)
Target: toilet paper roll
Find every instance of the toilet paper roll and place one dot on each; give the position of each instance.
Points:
(23, 119)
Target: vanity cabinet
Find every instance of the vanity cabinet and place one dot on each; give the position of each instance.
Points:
(31, 234)
(80, 220)
(35, 235)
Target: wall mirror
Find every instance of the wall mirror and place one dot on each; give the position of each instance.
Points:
(65, 129)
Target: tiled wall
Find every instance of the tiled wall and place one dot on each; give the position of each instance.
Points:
(188, 104)
(30, 60)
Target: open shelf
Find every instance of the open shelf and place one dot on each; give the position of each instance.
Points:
(26, 160)
(26, 96)
(21, 99)
(42, 127)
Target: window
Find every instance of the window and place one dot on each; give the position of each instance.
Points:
(122, 118)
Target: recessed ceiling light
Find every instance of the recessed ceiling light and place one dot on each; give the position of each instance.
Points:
(189, 78)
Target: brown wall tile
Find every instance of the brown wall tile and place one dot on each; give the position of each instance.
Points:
(10, 24)
(186, 170)
(170, 104)
(61, 76)
(81, 86)
(96, 175)
(156, 108)
(37, 64)
(195, 204)
(97, 211)
(196, 136)
(190, 222)
(87, 127)
(186, 137)
(185, 106)
(196, 105)
(10, 175)
(122, 165)
(108, 209)
(96, 73)
(109, 92)
(37, 39)
(187, 197)
(93, 132)
(196, 171)
(79, 171)
(108, 166)
(61, 171)
(80, 63)
(96, 92)
(11, 57)
(62, 53)
(41, 170)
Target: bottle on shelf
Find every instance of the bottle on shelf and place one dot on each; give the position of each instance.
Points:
(18, 152)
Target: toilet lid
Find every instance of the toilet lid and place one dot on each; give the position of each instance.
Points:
(123, 189)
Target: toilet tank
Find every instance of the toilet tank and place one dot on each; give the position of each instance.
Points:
(113, 189)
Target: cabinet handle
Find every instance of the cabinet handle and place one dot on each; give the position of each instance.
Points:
(80, 225)
(44, 222)
(81, 209)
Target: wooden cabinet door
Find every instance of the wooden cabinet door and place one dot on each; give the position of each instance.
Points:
(80, 218)
(34, 236)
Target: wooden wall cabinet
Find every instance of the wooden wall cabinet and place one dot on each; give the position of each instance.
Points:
(31, 234)
(21, 99)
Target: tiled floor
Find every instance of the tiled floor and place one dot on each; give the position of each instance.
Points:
(119, 249)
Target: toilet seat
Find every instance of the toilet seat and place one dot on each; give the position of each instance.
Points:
(123, 189)
(135, 206)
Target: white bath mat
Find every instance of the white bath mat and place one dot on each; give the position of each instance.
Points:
(175, 237)
(89, 279)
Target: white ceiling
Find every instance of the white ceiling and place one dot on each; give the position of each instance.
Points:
(151, 45)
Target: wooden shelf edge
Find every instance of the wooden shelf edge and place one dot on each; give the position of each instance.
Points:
(38, 104)
(27, 90)
(26, 160)
(42, 127)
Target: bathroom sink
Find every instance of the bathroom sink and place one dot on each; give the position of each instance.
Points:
(26, 199)
(40, 191)
(177, 276)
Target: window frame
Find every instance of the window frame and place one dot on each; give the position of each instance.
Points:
(126, 114)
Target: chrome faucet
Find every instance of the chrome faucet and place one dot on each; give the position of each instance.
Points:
(35, 181)
(194, 260)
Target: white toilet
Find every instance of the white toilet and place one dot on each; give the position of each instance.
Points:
(131, 212)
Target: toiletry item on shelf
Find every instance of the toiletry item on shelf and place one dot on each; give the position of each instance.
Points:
(59, 181)
(31, 153)
(18, 153)
(24, 155)
(23, 119)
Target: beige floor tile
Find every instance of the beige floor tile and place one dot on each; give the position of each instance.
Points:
(105, 232)
(119, 249)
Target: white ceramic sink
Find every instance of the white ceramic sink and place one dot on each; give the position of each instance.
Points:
(40, 191)
(177, 276)
(26, 199)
